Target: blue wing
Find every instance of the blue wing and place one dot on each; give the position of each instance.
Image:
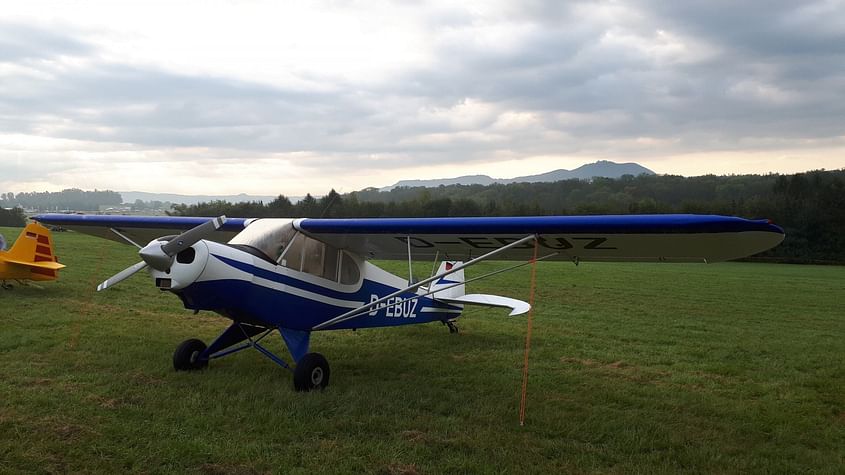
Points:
(141, 229)
(672, 237)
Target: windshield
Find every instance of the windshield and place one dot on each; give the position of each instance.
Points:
(272, 235)
(268, 235)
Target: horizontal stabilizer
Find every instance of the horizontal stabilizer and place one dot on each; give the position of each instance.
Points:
(518, 307)
(51, 265)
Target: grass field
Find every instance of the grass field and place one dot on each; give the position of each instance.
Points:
(650, 368)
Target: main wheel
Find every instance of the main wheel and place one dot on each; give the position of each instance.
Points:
(186, 357)
(312, 372)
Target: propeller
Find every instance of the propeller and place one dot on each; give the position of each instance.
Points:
(191, 236)
(159, 253)
(122, 275)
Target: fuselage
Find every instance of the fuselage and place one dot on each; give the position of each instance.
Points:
(247, 287)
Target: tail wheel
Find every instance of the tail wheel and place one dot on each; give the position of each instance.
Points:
(312, 372)
(187, 356)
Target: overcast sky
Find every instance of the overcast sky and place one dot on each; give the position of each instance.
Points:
(269, 97)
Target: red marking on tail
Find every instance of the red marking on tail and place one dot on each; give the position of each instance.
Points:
(449, 266)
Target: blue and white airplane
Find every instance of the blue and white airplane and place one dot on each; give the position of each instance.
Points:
(296, 276)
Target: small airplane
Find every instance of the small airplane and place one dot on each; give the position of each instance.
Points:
(31, 258)
(297, 276)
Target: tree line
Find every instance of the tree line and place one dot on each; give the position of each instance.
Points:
(68, 199)
(14, 217)
(809, 206)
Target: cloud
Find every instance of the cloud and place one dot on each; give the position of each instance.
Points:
(671, 70)
(475, 84)
(22, 43)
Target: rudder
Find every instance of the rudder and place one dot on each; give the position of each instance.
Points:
(35, 245)
(449, 281)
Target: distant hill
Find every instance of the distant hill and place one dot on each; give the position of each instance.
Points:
(461, 180)
(602, 168)
(129, 197)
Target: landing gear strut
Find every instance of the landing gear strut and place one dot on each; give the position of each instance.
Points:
(311, 371)
(453, 327)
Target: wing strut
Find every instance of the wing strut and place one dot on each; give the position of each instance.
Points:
(126, 238)
(434, 264)
(490, 274)
(456, 284)
(366, 308)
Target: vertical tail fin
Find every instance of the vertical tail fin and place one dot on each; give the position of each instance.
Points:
(449, 281)
(35, 245)
(457, 293)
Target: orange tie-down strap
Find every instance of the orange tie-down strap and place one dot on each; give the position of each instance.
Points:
(528, 335)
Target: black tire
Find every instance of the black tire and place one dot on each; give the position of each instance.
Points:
(186, 356)
(312, 372)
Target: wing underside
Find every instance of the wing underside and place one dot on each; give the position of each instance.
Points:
(140, 229)
(674, 238)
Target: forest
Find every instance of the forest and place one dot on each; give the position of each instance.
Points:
(809, 206)
(13, 217)
(70, 199)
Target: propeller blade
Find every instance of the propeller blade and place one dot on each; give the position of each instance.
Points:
(122, 275)
(192, 236)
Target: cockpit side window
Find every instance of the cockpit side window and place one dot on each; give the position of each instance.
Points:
(330, 263)
(289, 248)
(312, 256)
(292, 258)
(349, 272)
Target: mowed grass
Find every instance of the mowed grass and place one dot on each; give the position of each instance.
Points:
(650, 368)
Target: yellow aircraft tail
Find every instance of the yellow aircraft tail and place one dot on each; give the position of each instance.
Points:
(31, 257)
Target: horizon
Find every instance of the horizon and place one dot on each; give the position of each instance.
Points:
(380, 188)
(349, 95)
(420, 178)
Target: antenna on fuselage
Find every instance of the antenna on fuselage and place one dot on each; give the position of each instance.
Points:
(410, 267)
(334, 196)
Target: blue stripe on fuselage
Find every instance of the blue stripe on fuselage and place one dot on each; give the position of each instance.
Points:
(258, 302)
(368, 287)
(250, 302)
(301, 284)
